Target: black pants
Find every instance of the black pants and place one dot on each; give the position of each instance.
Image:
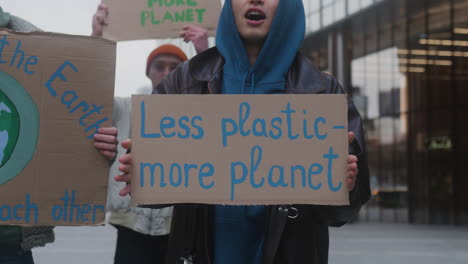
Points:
(134, 247)
(14, 254)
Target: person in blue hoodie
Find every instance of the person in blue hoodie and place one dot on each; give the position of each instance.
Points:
(257, 52)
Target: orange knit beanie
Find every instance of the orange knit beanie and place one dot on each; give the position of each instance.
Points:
(167, 49)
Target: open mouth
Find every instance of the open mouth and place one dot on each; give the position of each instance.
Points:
(255, 15)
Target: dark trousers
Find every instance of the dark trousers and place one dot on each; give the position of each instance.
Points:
(14, 254)
(134, 247)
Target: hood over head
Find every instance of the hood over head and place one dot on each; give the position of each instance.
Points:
(269, 73)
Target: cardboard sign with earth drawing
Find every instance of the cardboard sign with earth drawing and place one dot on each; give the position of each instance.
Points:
(55, 92)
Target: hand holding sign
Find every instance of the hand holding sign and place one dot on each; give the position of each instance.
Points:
(352, 166)
(105, 141)
(125, 168)
(100, 20)
(197, 35)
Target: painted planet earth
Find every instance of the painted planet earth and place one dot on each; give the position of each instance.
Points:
(9, 128)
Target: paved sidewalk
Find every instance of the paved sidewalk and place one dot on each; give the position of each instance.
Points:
(401, 244)
(351, 244)
(79, 245)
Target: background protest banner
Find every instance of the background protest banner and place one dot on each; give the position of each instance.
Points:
(55, 92)
(239, 149)
(157, 19)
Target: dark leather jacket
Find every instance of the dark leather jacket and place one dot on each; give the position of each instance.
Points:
(293, 233)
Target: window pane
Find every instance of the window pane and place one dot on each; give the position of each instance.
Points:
(365, 3)
(340, 9)
(328, 16)
(315, 21)
(313, 4)
(327, 2)
(353, 6)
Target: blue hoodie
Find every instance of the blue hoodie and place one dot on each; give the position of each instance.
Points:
(239, 230)
(268, 75)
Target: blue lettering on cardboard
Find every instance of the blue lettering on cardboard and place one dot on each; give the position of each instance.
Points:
(70, 212)
(170, 127)
(26, 212)
(59, 74)
(177, 176)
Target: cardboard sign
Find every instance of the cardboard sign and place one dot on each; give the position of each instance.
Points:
(239, 149)
(156, 19)
(55, 92)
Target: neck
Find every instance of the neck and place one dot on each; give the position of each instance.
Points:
(253, 50)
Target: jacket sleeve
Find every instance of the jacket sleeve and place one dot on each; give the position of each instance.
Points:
(339, 215)
(172, 83)
(169, 85)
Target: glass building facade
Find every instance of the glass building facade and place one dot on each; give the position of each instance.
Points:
(405, 62)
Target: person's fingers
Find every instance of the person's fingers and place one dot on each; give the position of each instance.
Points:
(197, 35)
(188, 32)
(352, 175)
(108, 154)
(126, 191)
(187, 27)
(108, 131)
(352, 159)
(102, 14)
(96, 22)
(105, 146)
(105, 138)
(125, 168)
(350, 184)
(102, 6)
(104, 20)
(127, 144)
(351, 137)
(196, 28)
(186, 37)
(126, 159)
(352, 167)
(189, 37)
(103, 9)
(351, 180)
(123, 178)
(99, 22)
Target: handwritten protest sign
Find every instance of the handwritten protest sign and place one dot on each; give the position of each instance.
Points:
(55, 92)
(156, 19)
(238, 149)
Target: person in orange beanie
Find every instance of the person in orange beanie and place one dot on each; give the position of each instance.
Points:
(162, 61)
(142, 233)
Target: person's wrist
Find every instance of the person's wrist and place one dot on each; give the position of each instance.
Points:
(201, 47)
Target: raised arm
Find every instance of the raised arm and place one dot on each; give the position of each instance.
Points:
(100, 20)
(197, 35)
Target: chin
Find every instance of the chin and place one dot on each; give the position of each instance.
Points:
(254, 37)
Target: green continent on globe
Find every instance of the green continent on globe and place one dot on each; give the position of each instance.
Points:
(9, 128)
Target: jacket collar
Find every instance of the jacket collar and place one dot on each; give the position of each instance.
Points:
(303, 77)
